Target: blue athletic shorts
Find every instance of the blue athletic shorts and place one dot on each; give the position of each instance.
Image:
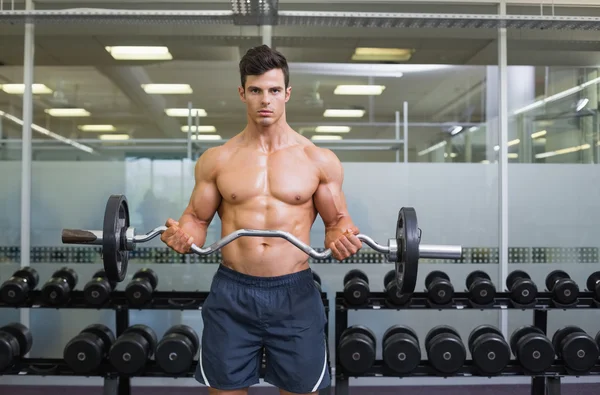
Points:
(284, 315)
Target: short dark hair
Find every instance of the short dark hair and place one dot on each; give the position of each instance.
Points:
(259, 60)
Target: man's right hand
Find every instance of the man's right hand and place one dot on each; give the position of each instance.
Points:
(176, 238)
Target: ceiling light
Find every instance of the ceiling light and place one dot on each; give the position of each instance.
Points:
(582, 103)
(206, 137)
(344, 113)
(513, 155)
(184, 112)
(167, 89)
(332, 129)
(97, 128)
(67, 112)
(19, 89)
(513, 142)
(113, 137)
(473, 129)
(139, 53)
(562, 151)
(359, 89)
(322, 137)
(538, 134)
(382, 54)
(432, 148)
(199, 129)
(456, 130)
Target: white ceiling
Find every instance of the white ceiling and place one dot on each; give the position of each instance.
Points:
(70, 59)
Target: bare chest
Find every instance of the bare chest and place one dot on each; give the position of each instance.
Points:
(287, 178)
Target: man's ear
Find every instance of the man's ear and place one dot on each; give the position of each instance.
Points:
(242, 93)
(288, 93)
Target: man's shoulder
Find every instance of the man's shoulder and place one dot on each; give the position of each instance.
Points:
(320, 155)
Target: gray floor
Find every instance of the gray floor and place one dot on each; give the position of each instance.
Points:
(566, 389)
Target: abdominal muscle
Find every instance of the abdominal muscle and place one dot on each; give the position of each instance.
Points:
(266, 256)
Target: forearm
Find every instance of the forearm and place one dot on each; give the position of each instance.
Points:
(194, 227)
(335, 228)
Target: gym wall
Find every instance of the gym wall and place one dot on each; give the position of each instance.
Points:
(552, 224)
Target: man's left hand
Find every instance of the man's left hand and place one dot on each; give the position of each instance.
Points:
(344, 244)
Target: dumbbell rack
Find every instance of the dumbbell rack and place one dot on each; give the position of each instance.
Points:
(546, 383)
(115, 382)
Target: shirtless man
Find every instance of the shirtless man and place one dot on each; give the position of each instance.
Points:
(263, 294)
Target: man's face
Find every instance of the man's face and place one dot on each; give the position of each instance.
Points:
(265, 97)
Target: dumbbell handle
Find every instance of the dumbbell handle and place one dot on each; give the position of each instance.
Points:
(94, 237)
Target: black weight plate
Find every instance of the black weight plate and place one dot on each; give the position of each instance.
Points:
(408, 240)
(188, 332)
(401, 353)
(128, 355)
(433, 275)
(520, 332)
(356, 291)
(145, 331)
(359, 329)
(474, 275)
(536, 354)
(483, 292)
(394, 295)
(68, 274)
(592, 280)
(174, 353)
(96, 291)
(524, 291)
(356, 353)
(447, 354)
(437, 330)
(8, 346)
(490, 353)
(138, 291)
(389, 277)
(103, 332)
(566, 292)
(114, 253)
(30, 275)
(22, 334)
(560, 335)
(356, 273)
(13, 291)
(84, 353)
(513, 276)
(396, 329)
(55, 291)
(441, 292)
(149, 274)
(580, 352)
(482, 330)
(553, 276)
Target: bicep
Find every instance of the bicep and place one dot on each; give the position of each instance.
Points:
(205, 198)
(329, 198)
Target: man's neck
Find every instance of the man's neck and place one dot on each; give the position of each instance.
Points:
(268, 138)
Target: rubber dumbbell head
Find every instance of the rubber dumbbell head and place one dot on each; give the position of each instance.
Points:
(533, 349)
(481, 289)
(86, 351)
(58, 288)
(356, 287)
(445, 349)
(15, 342)
(576, 348)
(356, 349)
(489, 350)
(392, 292)
(565, 290)
(439, 288)
(97, 291)
(176, 350)
(133, 348)
(400, 349)
(593, 284)
(16, 289)
(317, 280)
(521, 288)
(139, 290)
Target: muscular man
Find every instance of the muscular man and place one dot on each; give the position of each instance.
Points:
(263, 294)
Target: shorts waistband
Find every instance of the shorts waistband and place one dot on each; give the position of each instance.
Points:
(301, 277)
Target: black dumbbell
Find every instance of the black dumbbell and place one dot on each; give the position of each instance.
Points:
(490, 352)
(129, 354)
(533, 349)
(16, 289)
(356, 287)
(177, 349)
(139, 290)
(15, 342)
(97, 291)
(86, 351)
(439, 288)
(576, 348)
(400, 349)
(317, 280)
(445, 349)
(521, 288)
(58, 288)
(593, 284)
(356, 349)
(563, 288)
(392, 293)
(480, 287)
